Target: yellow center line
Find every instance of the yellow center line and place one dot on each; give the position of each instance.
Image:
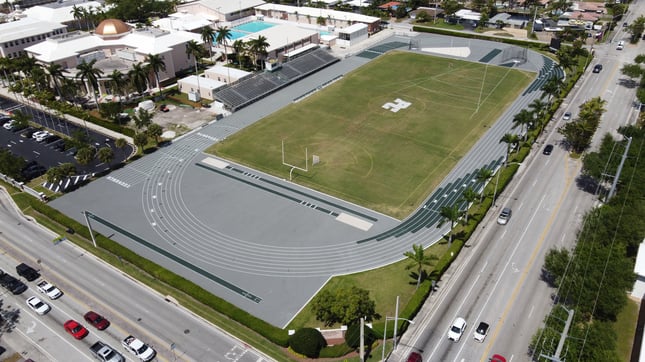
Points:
(511, 301)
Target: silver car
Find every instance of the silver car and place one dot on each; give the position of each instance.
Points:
(504, 216)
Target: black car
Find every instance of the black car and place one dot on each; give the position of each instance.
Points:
(27, 272)
(548, 149)
(597, 68)
(12, 284)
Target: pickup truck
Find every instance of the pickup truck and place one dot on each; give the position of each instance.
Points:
(138, 348)
(12, 284)
(49, 289)
(27, 272)
(105, 353)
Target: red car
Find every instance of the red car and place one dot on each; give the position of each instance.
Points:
(75, 329)
(96, 320)
(414, 357)
(497, 358)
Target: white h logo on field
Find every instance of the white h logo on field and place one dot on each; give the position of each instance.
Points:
(397, 105)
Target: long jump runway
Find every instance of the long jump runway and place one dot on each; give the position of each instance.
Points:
(264, 244)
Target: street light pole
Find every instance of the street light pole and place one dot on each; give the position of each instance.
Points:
(385, 334)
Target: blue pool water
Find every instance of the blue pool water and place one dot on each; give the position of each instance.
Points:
(247, 28)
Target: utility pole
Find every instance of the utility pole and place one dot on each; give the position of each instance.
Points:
(612, 191)
(563, 337)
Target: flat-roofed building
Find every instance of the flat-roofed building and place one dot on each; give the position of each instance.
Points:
(116, 46)
(309, 17)
(220, 10)
(191, 84)
(62, 12)
(226, 75)
(16, 36)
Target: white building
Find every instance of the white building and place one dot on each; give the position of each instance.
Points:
(639, 269)
(116, 46)
(61, 12)
(183, 21)
(352, 35)
(15, 36)
(193, 83)
(226, 75)
(221, 10)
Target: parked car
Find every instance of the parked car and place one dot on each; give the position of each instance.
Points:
(481, 331)
(75, 329)
(457, 329)
(548, 149)
(597, 68)
(96, 320)
(38, 306)
(27, 272)
(10, 283)
(504, 216)
(621, 45)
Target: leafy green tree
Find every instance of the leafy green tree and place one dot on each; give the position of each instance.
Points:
(258, 48)
(636, 28)
(156, 64)
(450, 214)
(120, 142)
(60, 173)
(552, 88)
(450, 7)
(523, 119)
(345, 306)
(140, 140)
(154, 131)
(110, 109)
(308, 342)
(105, 155)
(418, 259)
(22, 119)
(11, 165)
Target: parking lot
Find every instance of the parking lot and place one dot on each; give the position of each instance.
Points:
(48, 151)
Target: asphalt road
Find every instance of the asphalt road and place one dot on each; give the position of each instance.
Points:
(497, 277)
(90, 284)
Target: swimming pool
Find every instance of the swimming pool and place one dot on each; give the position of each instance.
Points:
(245, 29)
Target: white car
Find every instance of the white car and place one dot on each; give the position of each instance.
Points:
(42, 137)
(49, 289)
(457, 329)
(38, 305)
(504, 216)
(481, 331)
(39, 134)
(621, 45)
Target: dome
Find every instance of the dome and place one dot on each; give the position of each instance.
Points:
(110, 27)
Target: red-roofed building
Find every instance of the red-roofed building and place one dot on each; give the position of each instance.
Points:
(392, 5)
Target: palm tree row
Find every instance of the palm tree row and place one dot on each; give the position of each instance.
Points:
(90, 16)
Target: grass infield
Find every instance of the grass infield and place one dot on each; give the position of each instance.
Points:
(386, 161)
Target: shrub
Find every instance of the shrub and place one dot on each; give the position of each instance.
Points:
(308, 342)
(353, 336)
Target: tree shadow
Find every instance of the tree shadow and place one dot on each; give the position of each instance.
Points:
(589, 185)
(628, 83)
(414, 276)
(9, 318)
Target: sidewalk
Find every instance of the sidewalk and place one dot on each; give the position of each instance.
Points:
(4, 91)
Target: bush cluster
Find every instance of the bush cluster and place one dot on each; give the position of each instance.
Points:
(308, 342)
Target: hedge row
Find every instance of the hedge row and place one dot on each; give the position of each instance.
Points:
(272, 333)
(523, 43)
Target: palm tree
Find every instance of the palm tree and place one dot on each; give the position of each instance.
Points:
(118, 83)
(105, 155)
(258, 47)
(223, 36)
(523, 119)
(509, 139)
(87, 73)
(483, 175)
(139, 77)
(208, 34)
(417, 260)
(194, 49)
(240, 48)
(77, 13)
(469, 195)
(22, 119)
(552, 88)
(156, 64)
(452, 214)
(55, 75)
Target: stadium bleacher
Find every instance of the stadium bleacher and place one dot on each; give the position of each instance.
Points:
(247, 91)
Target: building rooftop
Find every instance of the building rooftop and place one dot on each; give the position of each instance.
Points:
(203, 82)
(182, 21)
(278, 36)
(316, 12)
(229, 6)
(59, 12)
(26, 27)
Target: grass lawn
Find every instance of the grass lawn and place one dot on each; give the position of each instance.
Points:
(625, 328)
(384, 285)
(384, 160)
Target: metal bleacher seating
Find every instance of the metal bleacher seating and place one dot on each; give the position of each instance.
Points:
(247, 91)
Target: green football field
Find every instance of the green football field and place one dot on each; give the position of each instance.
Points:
(384, 160)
